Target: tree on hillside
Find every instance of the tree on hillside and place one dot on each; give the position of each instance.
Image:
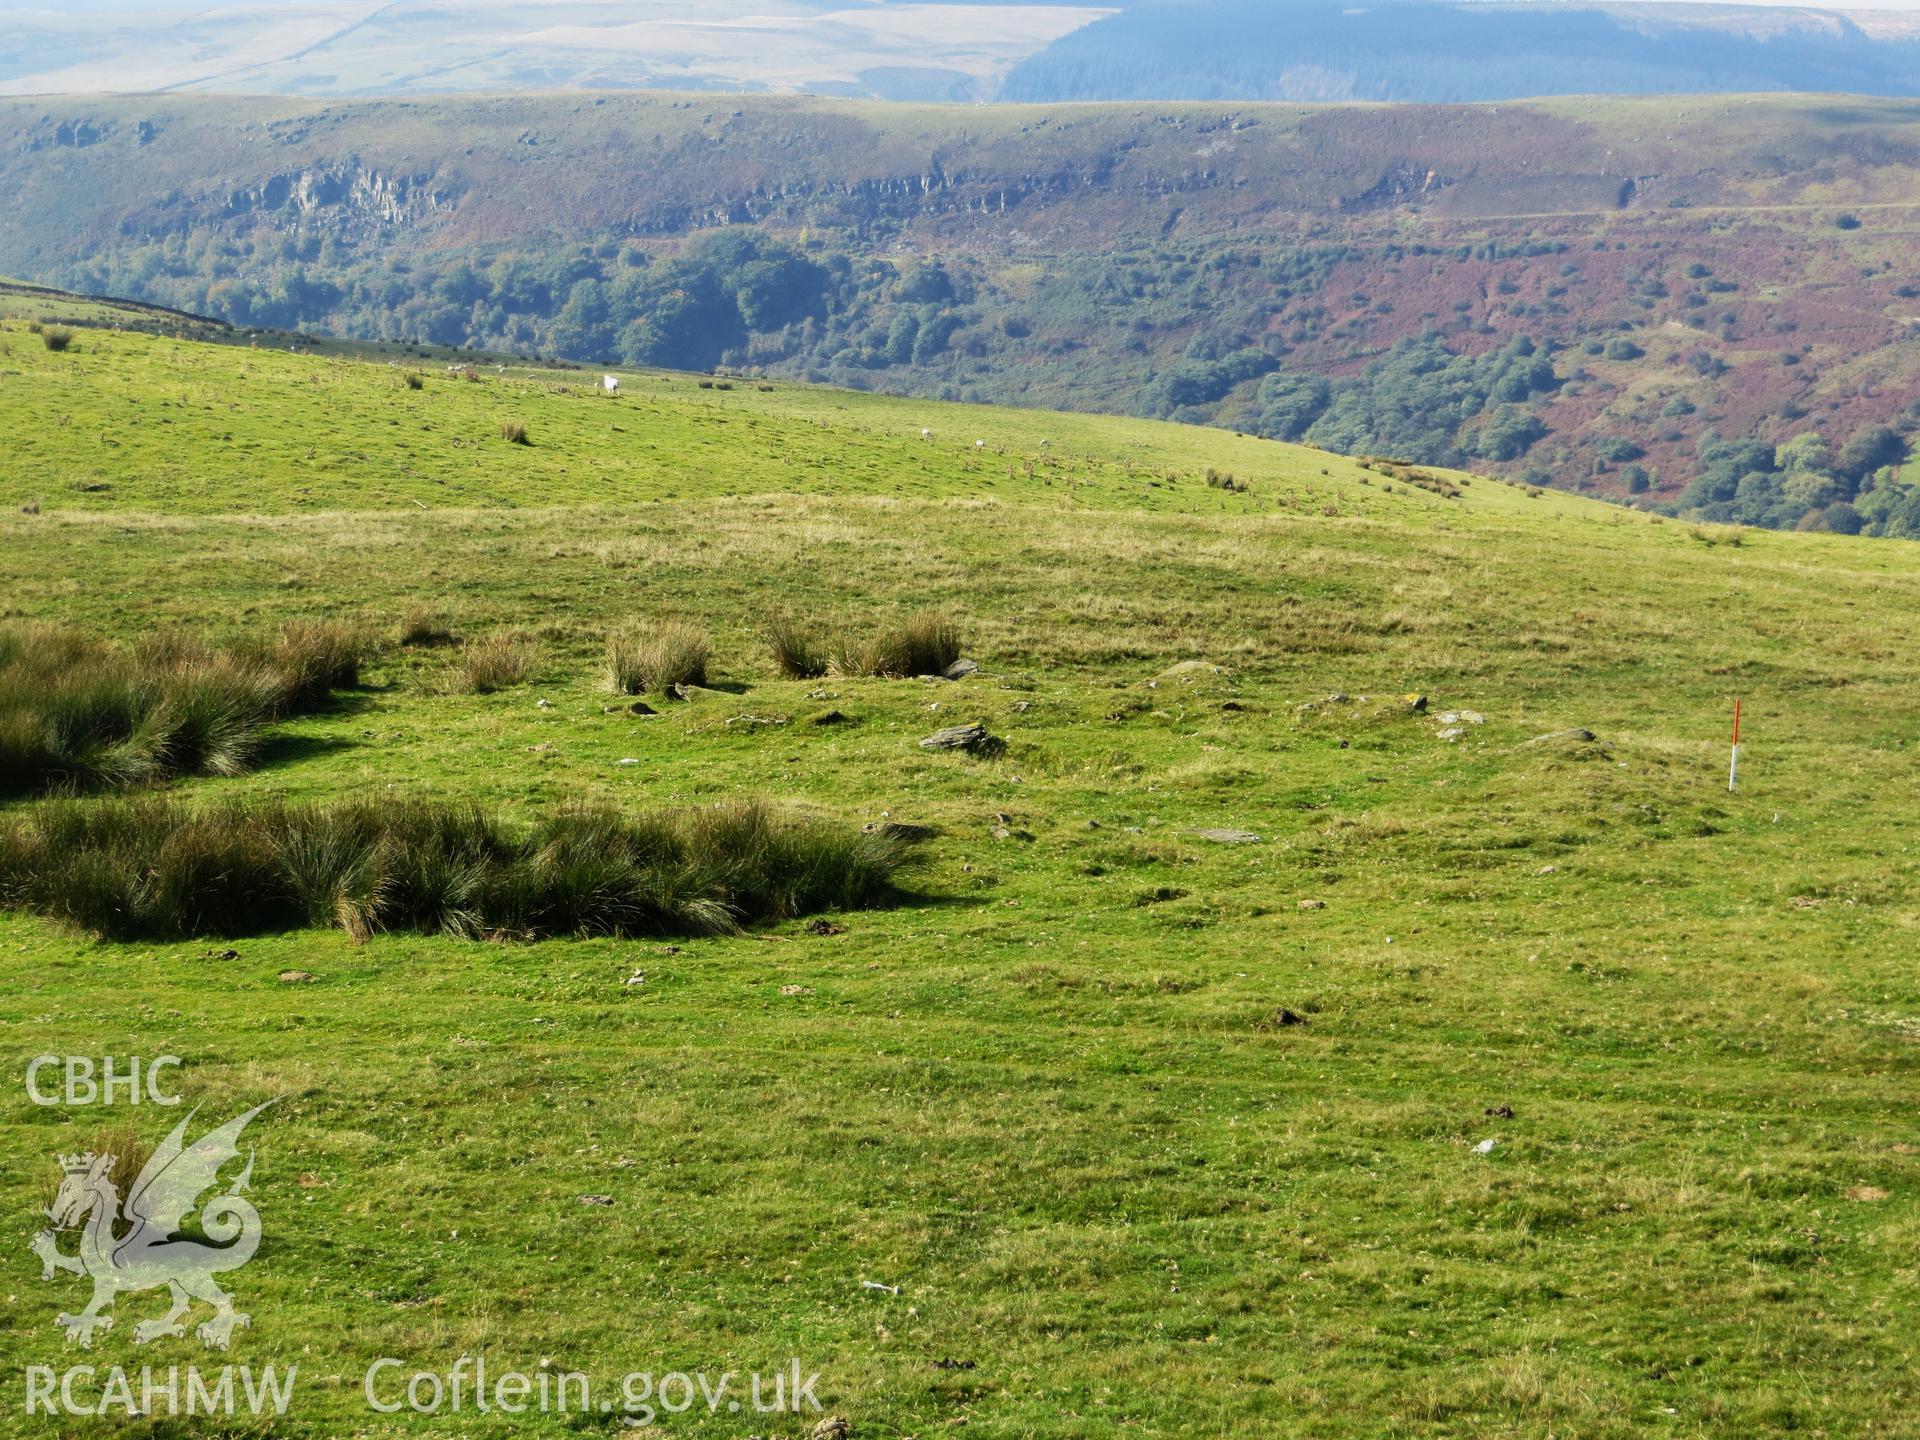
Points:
(1869, 449)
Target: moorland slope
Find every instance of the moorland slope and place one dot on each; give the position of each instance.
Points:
(1352, 1003)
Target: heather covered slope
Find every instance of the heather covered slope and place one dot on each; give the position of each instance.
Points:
(1601, 295)
(1062, 1097)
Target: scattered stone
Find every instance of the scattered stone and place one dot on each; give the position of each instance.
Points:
(1547, 870)
(1577, 736)
(1221, 836)
(296, 977)
(544, 704)
(1485, 1147)
(796, 989)
(1500, 1112)
(1452, 733)
(960, 669)
(825, 927)
(833, 1427)
(683, 692)
(1020, 707)
(973, 739)
(639, 977)
(223, 954)
(1283, 1017)
(1311, 905)
(1310, 707)
(755, 722)
(627, 760)
(594, 1199)
(832, 717)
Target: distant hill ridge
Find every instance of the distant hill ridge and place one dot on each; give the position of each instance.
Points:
(965, 50)
(1419, 50)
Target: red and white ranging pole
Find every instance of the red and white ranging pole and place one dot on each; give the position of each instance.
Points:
(1733, 767)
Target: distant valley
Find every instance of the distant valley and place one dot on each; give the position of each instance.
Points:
(1702, 304)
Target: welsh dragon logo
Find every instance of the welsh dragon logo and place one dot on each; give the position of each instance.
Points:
(148, 1252)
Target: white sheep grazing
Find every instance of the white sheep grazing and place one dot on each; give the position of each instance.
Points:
(926, 434)
(610, 383)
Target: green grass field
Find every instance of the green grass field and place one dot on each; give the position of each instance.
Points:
(1048, 1097)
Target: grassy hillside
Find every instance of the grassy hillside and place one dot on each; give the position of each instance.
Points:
(1052, 1097)
(1689, 272)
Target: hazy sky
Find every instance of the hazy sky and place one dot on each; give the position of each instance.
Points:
(694, 9)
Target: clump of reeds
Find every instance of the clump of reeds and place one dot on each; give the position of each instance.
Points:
(495, 662)
(922, 644)
(652, 658)
(152, 868)
(76, 713)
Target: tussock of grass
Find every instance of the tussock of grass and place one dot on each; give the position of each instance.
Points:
(923, 644)
(316, 657)
(75, 713)
(130, 1151)
(514, 432)
(150, 868)
(644, 659)
(56, 337)
(495, 662)
(423, 626)
(797, 651)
